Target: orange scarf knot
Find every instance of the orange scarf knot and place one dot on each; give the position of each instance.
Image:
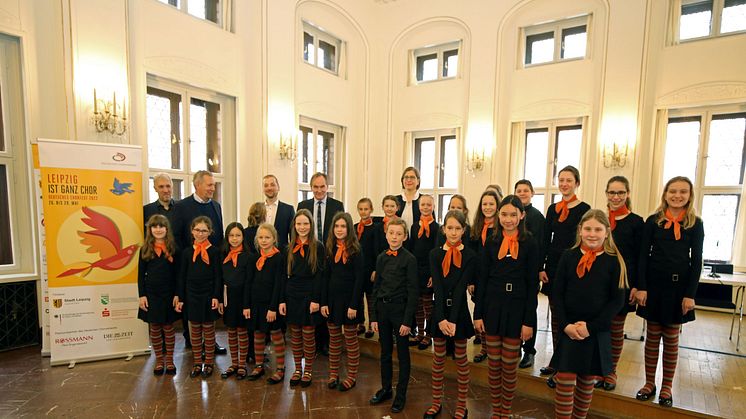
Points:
(453, 255)
(676, 222)
(509, 246)
(487, 225)
(563, 209)
(299, 246)
(160, 248)
(341, 252)
(361, 227)
(264, 256)
(201, 250)
(233, 255)
(585, 263)
(425, 221)
(623, 210)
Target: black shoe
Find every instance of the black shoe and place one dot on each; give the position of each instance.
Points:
(219, 350)
(477, 340)
(480, 357)
(159, 370)
(196, 370)
(368, 334)
(527, 361)
(274, 380)
(399, 402)
(599, 384)
(432, 415)
(551, 383)
(645, 396)
(324, 350)
(256, 373)
(413, 342)
(381, 396)
(546, 371)
(424, 344)
(665, 401)
(187, 344)
(609, 386)
(295, 381)
(332, 384)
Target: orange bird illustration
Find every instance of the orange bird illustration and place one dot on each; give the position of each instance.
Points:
(104, 239)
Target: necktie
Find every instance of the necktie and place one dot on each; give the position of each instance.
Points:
(319, 224)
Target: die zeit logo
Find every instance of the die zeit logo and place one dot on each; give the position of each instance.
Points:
(73, 339)
(118, 335)
(119, 157)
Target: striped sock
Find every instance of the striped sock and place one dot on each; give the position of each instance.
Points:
(617, 342)
(309, 347)
(483, 349)
(670, 357)
(583, 395)
(353, 355)
(563, 395)
(439, 362)
(243, 346)
(494, 362)
(209, 330)
(652, 347)
(156, 341)
(259, 345)
(511, 356)
(233, 346)
(462, 370)
(296, 344)
(335, 350)
(168, 331)
(427, 309)
(195, 335)
(278, 341)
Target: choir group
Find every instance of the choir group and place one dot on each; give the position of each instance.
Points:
(314, 270)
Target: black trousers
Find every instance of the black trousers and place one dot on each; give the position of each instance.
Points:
(390, 318)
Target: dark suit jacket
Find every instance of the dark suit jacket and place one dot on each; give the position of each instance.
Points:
(332, 207)
(149, 210)
(284, 217)
(187, 210)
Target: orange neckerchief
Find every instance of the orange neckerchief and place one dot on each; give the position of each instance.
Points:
(509, 245)
(623, 210)
(299, 246)
(487, 225)
(453, 255)
(264, 256)
(361, 227)
(670, 220)
(386, 222)
(341, 252)
(201, 249)
(586, 261)
(160, 248)
(562, 208)
(425, 221)
(392, 252)
(233, 255)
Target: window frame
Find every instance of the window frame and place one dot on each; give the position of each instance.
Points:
(556, 28)
(223, 12)
(335, 188)
(439, 50)
(438, 135)
(320, 34)
(715, 22)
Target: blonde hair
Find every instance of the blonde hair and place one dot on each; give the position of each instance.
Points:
(609, 245)
(399, 222)
(272, 231)
(691, 215)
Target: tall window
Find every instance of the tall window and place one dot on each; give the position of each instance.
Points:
(557, 41)
(321, 49)
(708, 147)
(708, 18)
(210, 10)
(436, 157)
(188, 130)
(550, 146)
(319, 150)
(436, 63)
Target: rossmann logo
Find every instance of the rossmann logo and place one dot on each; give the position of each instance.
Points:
(73, 339)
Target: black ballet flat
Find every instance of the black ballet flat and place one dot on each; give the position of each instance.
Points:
(276, 380)
(480, 357)
(159, 370)
(171, 370)
(368, 334)
(609, 386)
(332, 384)
(599, 384)
(551, 383)
(665, 401)
(432, 415)
(295, 381)
(546, 370)
(306, 380)
(345, 387)
(229, 372)
(196, 371)
(424, 345)
(645, 396)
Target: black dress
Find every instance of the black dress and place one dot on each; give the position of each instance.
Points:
(303, 287)
(450, 293)
(200, 283)
(628, 237)
(506, 291)
(236, 280)
(558, 237)
(421, 247)
(249, 234)
(595, 298)
(157, 279)
(368, 246)
(343, 288)
(266, 292)
(669, 270)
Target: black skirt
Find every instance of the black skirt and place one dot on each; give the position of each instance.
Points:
(298, 302)
(258, 321)
(160, 303)
(233, 312)
(464, 325)
(590, 356)
(503, 316)
(198, 304)
(339, 302)
(664, 300)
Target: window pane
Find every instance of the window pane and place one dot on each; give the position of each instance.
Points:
(327, 56)
(2, 128)
(325, 155)
(176, 193)
(573, 42)
(682, 146)
(427, 67)
(204, 9)
(303, 195)
(308, 50)
(734, 16)
(204, 136)
(696, 19)
(537, 201)
(540, 48)
(719, 217)
(305, 155)
(443, 201)
(171, 2)
(567, 149)
(725, 151)
(218, 192)
(537, 147)
(163, 112)
(450, 63)
(6, 239)
(448, 162)
(424, 160)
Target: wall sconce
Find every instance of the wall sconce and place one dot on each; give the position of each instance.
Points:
(288, 148)
(106, 117)
(615, 155)
(474, 161)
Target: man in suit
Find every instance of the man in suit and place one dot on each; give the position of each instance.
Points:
(322, 207)
(191, 207)
(165, 204)
(279, 213)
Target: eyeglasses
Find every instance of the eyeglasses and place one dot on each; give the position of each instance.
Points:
(200, 231)
(616, 193)
(410, 177)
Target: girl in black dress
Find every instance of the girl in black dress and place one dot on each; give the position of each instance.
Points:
(560, 231)
(626, 229)
(452, 267)
(365, 231)
(390, 208)
(257, 216)
(670, 266)
(421, 241)
(482, 228)
(588, 291)
(457, 202)
(237, 275)
(305, 268)
(265, 294)
(201, 283)
(505, 309)
(156, 284)
(342, 300)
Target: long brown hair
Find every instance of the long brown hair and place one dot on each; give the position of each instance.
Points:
(312, 242)
(609, 245)
(476, 232)
(148, 249)
(691, 215)
(624, 181)
(352, 246)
